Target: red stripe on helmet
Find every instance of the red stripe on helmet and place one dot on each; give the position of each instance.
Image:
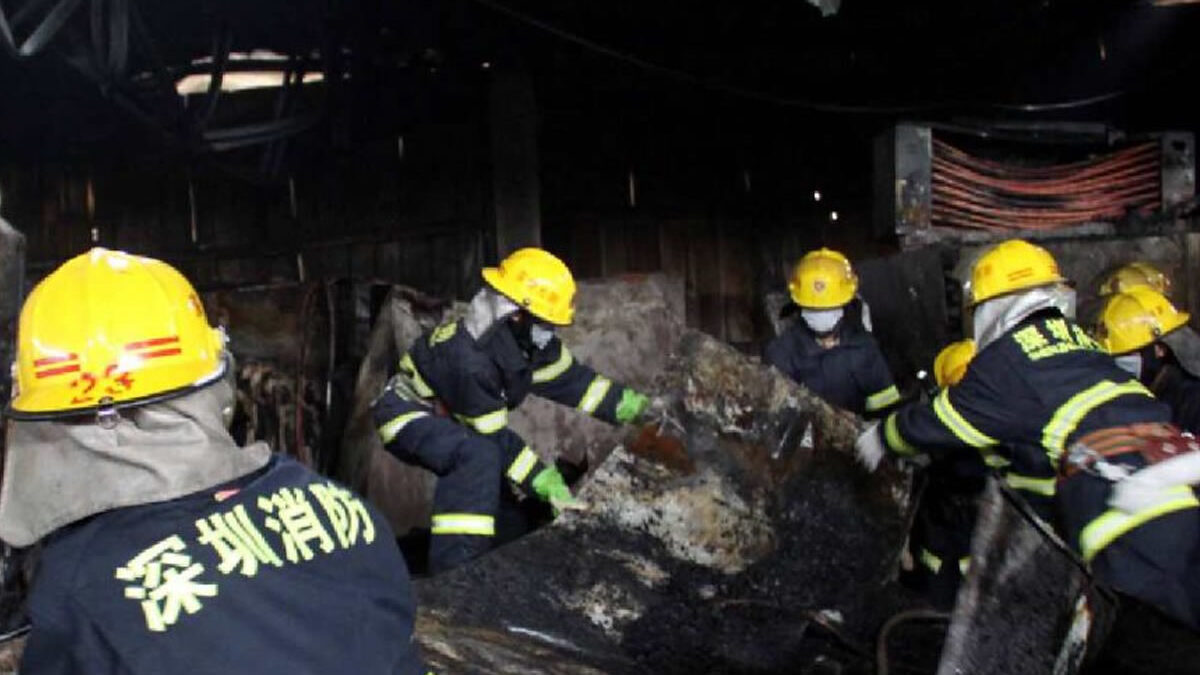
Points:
(74, 368)
(156, 342)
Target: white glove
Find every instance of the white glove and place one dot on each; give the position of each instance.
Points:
(1135, 493)
(1156, 484)
(869, 447)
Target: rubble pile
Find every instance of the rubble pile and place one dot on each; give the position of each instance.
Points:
(745, 542)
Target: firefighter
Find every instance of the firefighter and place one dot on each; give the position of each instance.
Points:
(1132, 275)
(166, 547)
(447, 408)
(1151, 339)
(940, 541)
(1119, 280)
(836, 358)
(1040, 384)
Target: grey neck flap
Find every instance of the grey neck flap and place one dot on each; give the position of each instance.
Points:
(993, 318)
(1185, 345)
(487, 309)
(59, 472)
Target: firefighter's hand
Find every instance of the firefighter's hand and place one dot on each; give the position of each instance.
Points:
(869, 448)
(550, 487)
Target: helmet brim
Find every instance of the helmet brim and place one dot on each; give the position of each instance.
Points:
(12, 412)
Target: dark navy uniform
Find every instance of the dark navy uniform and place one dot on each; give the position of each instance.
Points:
(1038, 390)
(852, 375)
(280, 572)
(1178, 389)
(455, 423)
(940, 540)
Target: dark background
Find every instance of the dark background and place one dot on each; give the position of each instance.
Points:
(723, 117)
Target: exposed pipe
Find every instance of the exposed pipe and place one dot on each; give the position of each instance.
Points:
(974, 193)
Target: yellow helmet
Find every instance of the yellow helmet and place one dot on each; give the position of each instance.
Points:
(1135, 318)
(951, 363)
(1009, 266)
(823, 279)
(111, 329)
(538, 281)
(1135, 274)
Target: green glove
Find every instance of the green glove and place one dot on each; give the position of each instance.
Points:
(550, 487)
(631, 406)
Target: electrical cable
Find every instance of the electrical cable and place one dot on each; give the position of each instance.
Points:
(979, 194)
(742, 92)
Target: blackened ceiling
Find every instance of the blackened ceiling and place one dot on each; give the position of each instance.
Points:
(101, 83)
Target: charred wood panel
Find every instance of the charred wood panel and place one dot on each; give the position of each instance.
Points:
(1026, 605)
(734, 548)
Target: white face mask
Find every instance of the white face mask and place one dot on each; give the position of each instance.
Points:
(822, 321)
(541, 335)
(1130, 363)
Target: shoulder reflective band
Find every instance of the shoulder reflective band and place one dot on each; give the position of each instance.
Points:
(410, 369)
(594, 394)
(464, 523)
(519, 470)
(891, 435)
(1113, 523)
(1040, 486)
(547, 373)
(883, 399)
(931, 561)
(388, 431)
(1070, 414)
(957, 424)
(487, 424)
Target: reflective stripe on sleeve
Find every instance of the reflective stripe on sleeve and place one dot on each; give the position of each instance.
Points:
(595, 394)
(1070, 414)
(547, 373)
(964, 564)
(487, 424)
(464, 523)
(419, 384)
(957, 424)
(1113, 523)
(891, 435)
(882, 399)
(519, 470)
(388, 431)
(1040, 486)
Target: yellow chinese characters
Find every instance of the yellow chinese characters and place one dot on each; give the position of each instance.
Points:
(1063, 338)
(285, 527)
(166, 583)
